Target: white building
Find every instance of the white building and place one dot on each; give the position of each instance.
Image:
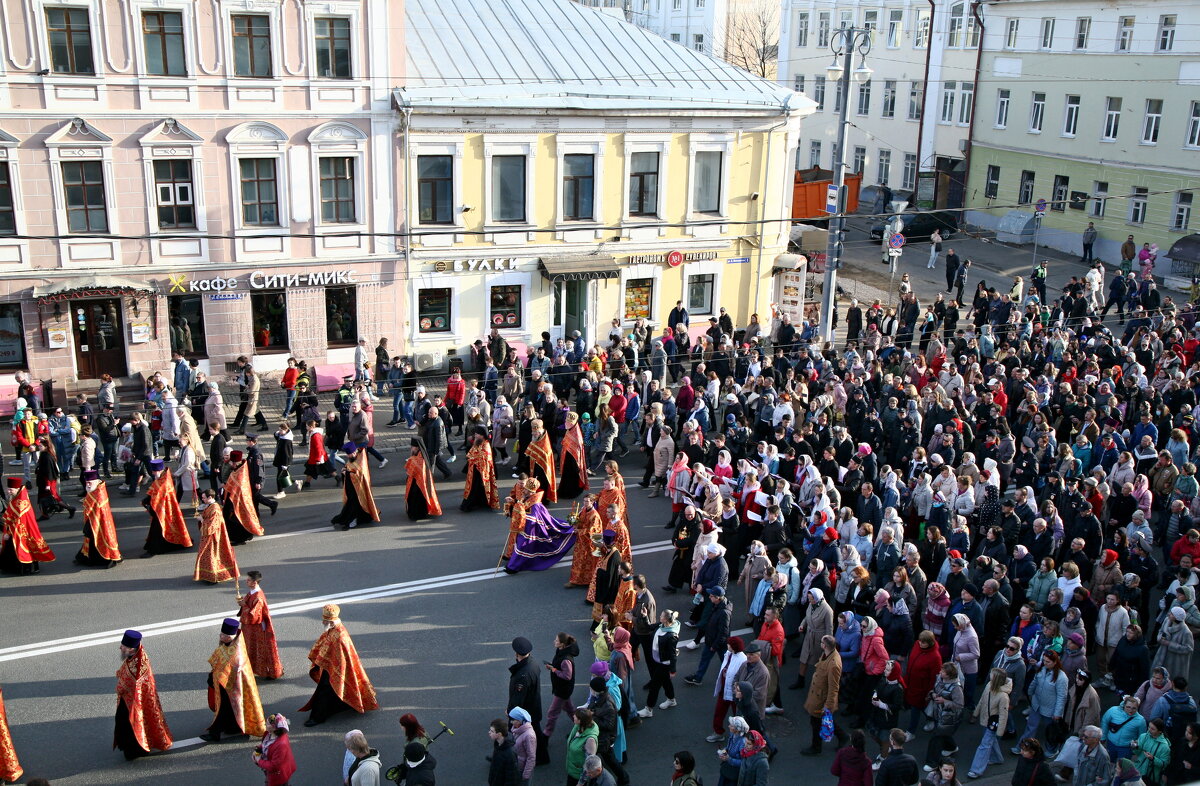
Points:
(698, 24)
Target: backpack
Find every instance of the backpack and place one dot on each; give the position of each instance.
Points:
(1179, 715)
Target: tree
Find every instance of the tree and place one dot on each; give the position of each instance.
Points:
(752, 36)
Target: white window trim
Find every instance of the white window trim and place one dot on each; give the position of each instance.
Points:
(171, 140)
(571, 144)
(510, 146)
(42, 23)
(708, 143)
(1066, 113)
(259, 140)
(641, 271)
(519, 278)
(78, 140)
(273, 10)
(188, 11)
(710, 267)
(9, 155)
(339, 139)
(350, 11)
(434, 281)
(1187, 126)
(423, 145)
(640, 143)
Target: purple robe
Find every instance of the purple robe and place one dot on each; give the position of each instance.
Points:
(544, 541)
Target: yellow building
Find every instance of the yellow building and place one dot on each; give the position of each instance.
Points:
(563, 169)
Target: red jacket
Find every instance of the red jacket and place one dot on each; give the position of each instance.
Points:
(852, 767)
(289, 379)
(456, 391)
(1184, 546)
(773, 635)
(923, 668)
(616, 406)
(873, 654)
(316, 448)
(278, 763)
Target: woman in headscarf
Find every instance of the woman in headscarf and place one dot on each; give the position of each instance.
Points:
(848, 560)
(1175, 643)
(937, 605)
(897, 627)
(679, 486)
(818, 622)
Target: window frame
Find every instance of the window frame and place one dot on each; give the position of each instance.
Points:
(1083, 32)
(859, 160)
(273, 67)
(863, 108)
(164, 37)
(72, 47)
(1071, 109)
(518, 308)
(1191, 136)
(946, 107)
(818, 95)
(1182, 208)
(802, 25)
(1152, 122)
(637, 143)
(642, 282)
(349, 164)
(883, 166)
(1012, 32)
(326, 42)
(197, 330)
(241, 190)
(1027, 183)
(1165, 40)
(824, 28)
(273, 349)
(421, 181)
(174, 187)
(1003, 104)
(814, 154)
(86, 169)
(698, 42)
(1111, 128)
(580, 144)
(1037, 113)
(346, 340)
(433, 145)
(916, 101)
(895, 30)
(572, 208)
(525, 147)
(1060, 193)
(1046, 40)
(1099, 199)
(908, 174)
(966, 103)
(922, 30)
(717, 204)
(708, 143)
(888, 108)
(1124, 41)
(23, 361)
(422, 301)
(991, 182)
(1139, 205)
(340, 139)
(8, 186)
(692, 278)
(956, 26)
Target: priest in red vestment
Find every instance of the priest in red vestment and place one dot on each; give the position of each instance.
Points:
(232, 691)
(23, 546)
(241, 514)
(168, 529)
(10, 768)
(572, 461)
(420, 496)
(140, 724)
(258, 630)
(583, 561)
(541, 461)
(358, 503)
(342, 682)
(100, 548)
(480, 490)
(216, 560)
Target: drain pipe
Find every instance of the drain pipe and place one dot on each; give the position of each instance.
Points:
(406, 114)
(784, 109)
(925, 97)
(975, 7)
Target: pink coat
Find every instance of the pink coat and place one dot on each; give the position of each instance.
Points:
(872, 653)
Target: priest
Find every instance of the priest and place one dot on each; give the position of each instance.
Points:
(241, 515)
(480, 490)
(23, 546)
(168, 529)
(140, 725)
(100, 548)
(572, 461)
(232, 691)
(10, 768)
(216, 561)
(342, 682)
(420, 496)
(541, 460)
(258, 630)
(358, 504)
(583, 561)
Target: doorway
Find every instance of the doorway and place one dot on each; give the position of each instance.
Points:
(575, 308)
(99, 338)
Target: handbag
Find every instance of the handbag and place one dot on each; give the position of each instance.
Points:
(1056, 732)
(1069, 755)
(993, 722)
(284, 478)
(826, 726)
(508, 431)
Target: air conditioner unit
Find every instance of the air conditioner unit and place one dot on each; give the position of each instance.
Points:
(962, 145)
(425, 361)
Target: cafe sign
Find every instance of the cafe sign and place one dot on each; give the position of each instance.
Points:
(262, 279)
(672, 258)
(475, 265)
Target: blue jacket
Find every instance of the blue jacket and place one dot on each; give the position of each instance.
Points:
(1048, 696)
(848, 642)
(1127, 734)
(713, 573)
(1142, 429)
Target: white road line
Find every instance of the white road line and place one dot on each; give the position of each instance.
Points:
(286, 607)
(189, 742)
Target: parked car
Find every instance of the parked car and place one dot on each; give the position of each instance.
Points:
(919, 226)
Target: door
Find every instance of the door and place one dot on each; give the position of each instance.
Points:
(99, 338)
(575, 308)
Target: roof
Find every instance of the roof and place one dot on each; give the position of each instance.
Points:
(555, 54)
(91, 285)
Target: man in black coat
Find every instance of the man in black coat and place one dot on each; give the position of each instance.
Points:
(433, 434)
(503, 771)
(254, 459)
(524, 691)
(605, 713)
(898, 768)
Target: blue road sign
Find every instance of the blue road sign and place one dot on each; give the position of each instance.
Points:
(897, 241)
(1041, 206)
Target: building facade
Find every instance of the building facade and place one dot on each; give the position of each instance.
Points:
(912, 119)
(546, 200)
(213, 178)
(1095, 109)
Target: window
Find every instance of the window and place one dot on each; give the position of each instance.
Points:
(1002, 100)
(921, 39)
(1137, 205)
(341, 316)
(823, 29)
(802, 29)
(895, 29)
(838, 96)
(1083, 28)
(1048, 33)
(269, 310)
(337, 190)
(433, 310)
(70, 36)
(819, 91)
(1025, 195)
(1125, 34)
(966, 102)
(908, 177)
(864, 98)
(1010, 33)
(185, 317)
(1071, 116)
(1192, 138)
(643, 184)
(676, 5)
(884, 172)
(889, 98)
(639, 297)
(8, 215)
(814, 154)
(333, 47)
(991, 185)
(706, 188)
(1112, 118)
(675, 37)
(798, 84)
(1152, 121)
(1099, 198)
(173, 184)
(251, 45)
(1058, 199)
(162, 37)
(698, 42)
(916, 98)
(1183, 211)
(260, 192)
(701, 291)
(973, 32)
(954, 35)
(508, 188)
(83, 186)
(12, 336)
(1166, 33)
(435, 189)
(1037, 113)
(506, 305)
(579, 172)
(871, 21)
(860, 160)
(948, 89)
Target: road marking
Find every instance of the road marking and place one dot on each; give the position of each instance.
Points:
(189, 742)
(277, 609)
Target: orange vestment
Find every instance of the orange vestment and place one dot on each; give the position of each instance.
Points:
(165, 505)
(572, 445)
(21, 527)
(541, 455)
(231, 671)
(10, 768)
(418, 473)
(136, 687)
(583, 563)
(98, 521)
(358, 472)
(480, 458)
(517, 514)
(621, 544)
(608, 497)
(215, 561)
(335, 655)
(241, 497)
(259, 633)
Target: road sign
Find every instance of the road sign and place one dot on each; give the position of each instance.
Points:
(895, 252)
(1041, 206)
(897, 241)
(831, 198)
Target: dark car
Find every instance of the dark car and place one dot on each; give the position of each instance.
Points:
(919, 226)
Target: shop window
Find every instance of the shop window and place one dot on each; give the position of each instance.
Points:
(506, 306)
(639, 297)
(433, 310)
(12, 336)
(341, 316)
(269, 310)
(185, 317)
(700, 292)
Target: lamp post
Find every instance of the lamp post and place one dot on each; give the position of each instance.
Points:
(844, 43)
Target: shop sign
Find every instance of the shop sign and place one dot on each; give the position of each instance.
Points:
(475, 265)
(139, 332)
(262, 279)
(56, 338)
(672, 258)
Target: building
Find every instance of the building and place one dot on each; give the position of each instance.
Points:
(216, 178)
(1096, 109)
(598, 173)
(911, 120)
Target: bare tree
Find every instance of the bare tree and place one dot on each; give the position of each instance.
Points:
(752, 36)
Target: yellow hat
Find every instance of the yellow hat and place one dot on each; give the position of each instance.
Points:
(331, 611)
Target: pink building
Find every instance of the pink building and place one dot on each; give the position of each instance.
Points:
(216, 177)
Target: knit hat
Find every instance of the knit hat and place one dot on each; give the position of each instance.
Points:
(522, 645)
(599, 669)
(1076, 639)
(598, 684)
(1178, 613)
(1109, 558)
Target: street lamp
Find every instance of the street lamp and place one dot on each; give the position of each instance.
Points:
(844, 43)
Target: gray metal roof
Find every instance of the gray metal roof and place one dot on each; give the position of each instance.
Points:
(556, 54)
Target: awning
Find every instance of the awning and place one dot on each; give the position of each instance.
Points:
(786, 263)
(1186, 249)
(579, 268)
(90, 286)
